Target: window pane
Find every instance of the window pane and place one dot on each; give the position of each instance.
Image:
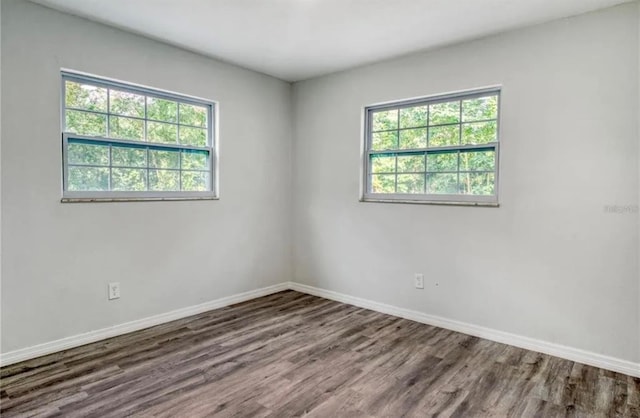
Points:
(88, 154)
(128, 179)
(195, 181)
(383, 121)
(410, 163)
(85, 123)
(412, 117)
(164, 180)
(88, 179)
(445, 161)
(164, 159)
(127, 104)
(442, 183)
(193, 136)
(193, 115)
(195, 160)
(384, 140)
(480, 109)
(411, 183)
(162, 132)
(85, 96)
(477, 161)
(126, 128)
(107, 124)
(163, 110)
(383, 183)
(413, 138)
(383, 164)
(479, 133)
(442, 136)
(128, 157)
(477, 183)
(442, 113)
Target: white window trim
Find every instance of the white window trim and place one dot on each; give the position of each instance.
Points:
(433, 199)
(123, 196)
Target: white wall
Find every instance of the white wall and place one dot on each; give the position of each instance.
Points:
(638, 48)
(550, 263)
(58, 258)
(0, 174)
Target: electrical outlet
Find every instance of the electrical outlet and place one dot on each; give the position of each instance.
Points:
(114, 290)
(419, 280)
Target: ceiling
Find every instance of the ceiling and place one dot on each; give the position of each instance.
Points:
(299, 39)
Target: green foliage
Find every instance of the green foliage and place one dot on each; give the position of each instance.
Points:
(194, 160)
(482, 108)
(164, 173)
(85, 123)
(164, 159)
(413, 138)
(194, 180)
(441, 170)
(162, 132)
(193, 115)
(444, 124)
(411, 183)
(164, 180)
(442, 183)
(383, 183)
(479, 133)
(162, 110)
(84, 96)
(125, 167)
(193, 136)
(443, 161)
(441, 113)
(411, 163)
(128, 157)
(413, 117)
(88, 178)
(126, 104)
(127, 179)
(477, 161)
(383, 164)
(477, 183)
(126, 128)
(446, 171)
(386, 120)
(86, 154)
(443, 136)
(384, 140)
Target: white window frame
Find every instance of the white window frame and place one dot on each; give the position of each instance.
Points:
(425, 198)
(114, 196)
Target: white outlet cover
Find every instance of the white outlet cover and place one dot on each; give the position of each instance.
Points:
(114, 290)
(419, 281)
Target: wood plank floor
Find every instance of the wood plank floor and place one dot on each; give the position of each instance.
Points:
(291, 354)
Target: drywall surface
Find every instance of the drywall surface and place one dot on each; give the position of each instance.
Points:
(558, 260)
(638, 136)
(58, 258)
(0, 170)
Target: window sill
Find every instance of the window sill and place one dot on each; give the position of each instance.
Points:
(430, 202)
(132, 199)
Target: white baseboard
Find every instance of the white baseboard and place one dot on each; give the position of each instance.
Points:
(569, 353)
(104, 333)
(557, 350)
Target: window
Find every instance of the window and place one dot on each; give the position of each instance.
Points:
(441, 149)
(124, 142)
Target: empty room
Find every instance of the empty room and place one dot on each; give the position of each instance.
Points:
(323, 208)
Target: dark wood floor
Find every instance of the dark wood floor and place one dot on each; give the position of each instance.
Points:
(291, 354)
